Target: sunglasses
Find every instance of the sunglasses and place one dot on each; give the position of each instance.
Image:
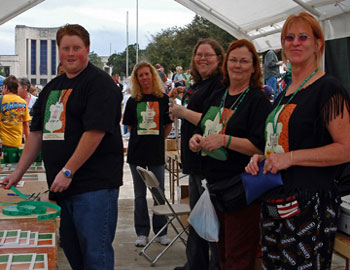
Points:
(301, 38)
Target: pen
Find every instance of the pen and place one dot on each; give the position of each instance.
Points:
(12, 194)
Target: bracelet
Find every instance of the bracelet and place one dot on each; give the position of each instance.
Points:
(291, 158)
(229, 141)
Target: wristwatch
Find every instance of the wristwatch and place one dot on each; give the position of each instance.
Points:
(67, 173)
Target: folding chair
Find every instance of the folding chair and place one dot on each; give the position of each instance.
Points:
(170, 211)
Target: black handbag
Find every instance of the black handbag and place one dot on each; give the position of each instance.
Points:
(342, 179)
(227, 194)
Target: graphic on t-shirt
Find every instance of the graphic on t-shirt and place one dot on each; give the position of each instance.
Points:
(148, 118)
(55, 115)
(212, 123)
(13, 113)
(281, 145)
(54, 122)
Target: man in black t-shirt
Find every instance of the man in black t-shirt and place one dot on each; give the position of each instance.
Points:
(76, 125)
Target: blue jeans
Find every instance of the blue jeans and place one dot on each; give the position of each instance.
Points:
(125, 129)
(141, 217)
(197, 249)
(87, 230)
(272, 81)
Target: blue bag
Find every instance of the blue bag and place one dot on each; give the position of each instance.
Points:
(255, 186)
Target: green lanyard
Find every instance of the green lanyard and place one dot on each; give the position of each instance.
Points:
(274, 123)
(237, 102)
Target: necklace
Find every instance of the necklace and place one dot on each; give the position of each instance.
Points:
(235, 105)
(274, 122)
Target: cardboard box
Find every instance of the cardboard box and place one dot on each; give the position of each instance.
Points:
(170, 145)
(183, 196)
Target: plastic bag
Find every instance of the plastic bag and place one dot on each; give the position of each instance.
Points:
(203, 217)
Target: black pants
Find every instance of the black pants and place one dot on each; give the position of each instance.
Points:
(201, 254)
(303, 241)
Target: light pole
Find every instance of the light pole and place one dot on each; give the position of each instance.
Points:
(127, 44)
(137, 31)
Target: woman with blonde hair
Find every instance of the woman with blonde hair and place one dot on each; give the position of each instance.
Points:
(307, 137)
(147, 117)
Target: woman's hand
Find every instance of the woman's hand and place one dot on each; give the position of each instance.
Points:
(212, 142)
(176, 110)
(253, 167)
(277, 162)
(195, 143)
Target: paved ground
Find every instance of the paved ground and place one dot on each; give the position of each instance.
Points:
(127, 257)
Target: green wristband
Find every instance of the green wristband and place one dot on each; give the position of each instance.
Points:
(229, 141)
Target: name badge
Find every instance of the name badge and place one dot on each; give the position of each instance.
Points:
(274, 140)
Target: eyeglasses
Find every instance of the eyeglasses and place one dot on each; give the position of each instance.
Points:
(241, 61)
(301, 38)
(205, 55)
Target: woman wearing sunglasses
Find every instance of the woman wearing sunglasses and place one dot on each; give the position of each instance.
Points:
(307, 136)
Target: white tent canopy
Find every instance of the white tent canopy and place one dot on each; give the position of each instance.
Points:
(12, 8)
(262, 21)
(256, 20)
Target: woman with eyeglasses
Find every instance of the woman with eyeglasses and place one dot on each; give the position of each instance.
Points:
(307, 136)
(206, 62)
(229, 133)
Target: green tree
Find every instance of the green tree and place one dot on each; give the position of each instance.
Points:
(95, 59)
(118, 60)
(3, 71)
(173, 46)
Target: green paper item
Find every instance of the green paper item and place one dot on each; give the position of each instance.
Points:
(219, 154)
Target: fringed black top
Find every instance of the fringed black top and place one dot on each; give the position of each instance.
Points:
(302, 124)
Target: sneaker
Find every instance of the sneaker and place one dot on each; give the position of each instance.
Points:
(163, 240)
(141, 241)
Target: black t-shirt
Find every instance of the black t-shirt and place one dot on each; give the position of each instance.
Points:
(302, 124)
(199, 94)
(148, 118)
(248, 121)
(65, 109)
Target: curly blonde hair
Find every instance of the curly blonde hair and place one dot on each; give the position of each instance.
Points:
(136, 91)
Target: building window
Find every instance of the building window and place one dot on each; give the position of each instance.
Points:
(53, 57)
(43, 82)
(33, 81)
(5, 71)
(43, 57)
(33, 57)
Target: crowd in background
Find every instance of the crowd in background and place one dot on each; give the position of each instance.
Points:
(284, 117)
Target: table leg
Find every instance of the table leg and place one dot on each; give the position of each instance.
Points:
(171, 179)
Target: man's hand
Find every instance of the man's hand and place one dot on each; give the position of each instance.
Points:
(11, 180)
(60, 183)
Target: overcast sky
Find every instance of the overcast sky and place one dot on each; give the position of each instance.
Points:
(104, 19)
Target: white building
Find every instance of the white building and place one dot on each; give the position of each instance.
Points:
(36, 55)
(106, 68)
